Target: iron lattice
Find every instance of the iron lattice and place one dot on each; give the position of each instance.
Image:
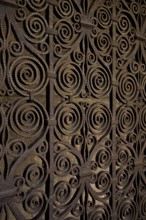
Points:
(72, 109)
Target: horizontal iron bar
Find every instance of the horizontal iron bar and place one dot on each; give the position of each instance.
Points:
(139, 163)
(52, 75)
(114, 19)
(7, 191)
(52, 2)
(114, 44)
(9, 3)
(52, 122)
(51, 31)
(140, 37)
(87, 24)
(84, 175)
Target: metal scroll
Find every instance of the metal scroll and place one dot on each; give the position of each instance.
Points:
(72, 110)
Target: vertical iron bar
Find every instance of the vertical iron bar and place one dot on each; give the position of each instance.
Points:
(51, 111)
(114, 214)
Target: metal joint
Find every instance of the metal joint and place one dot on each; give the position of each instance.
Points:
(52, 122)
(9, 3)
(114, 122)
(51, 31)
(114, 19)
(7, 191)
(114, 44)
(52, 75)
(86, 24)
(52, 2)
(140, 37)
(114, 82)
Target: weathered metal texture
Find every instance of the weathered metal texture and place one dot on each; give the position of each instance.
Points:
(72, 109)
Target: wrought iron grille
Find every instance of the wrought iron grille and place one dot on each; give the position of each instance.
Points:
(72, 110)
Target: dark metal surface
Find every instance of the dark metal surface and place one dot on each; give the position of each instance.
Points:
(72, 110)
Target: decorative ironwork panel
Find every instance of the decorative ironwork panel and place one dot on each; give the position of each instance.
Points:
(72, 109)
(24, 120)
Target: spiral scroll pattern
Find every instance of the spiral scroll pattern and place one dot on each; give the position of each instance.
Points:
(73, 148)
(144, 87)
(65, 9)
(27, 119)
(62, 192)
(69, 79)
(29, 77)
(124, 46)
(123, 24)
(63, 164)
(91, 140)
(103, 181)
(21, 3)
(135, 8)
(128, 87)
(143, 118)
(77, 210)
(100, 119)
(103, 42)
(1, 119)
(123, 156)
(37, 5)
(143, 10)
(92, 58)
(77, 140)
(127, 210)
(99, 80)
(78, 57)
(35, 175)
(104, 17)
(16, 148)
(103, 157)
(123, 178)
(20, 14)
(19, 181)
(100, 212)
(35, 202)
(65, 35)
(142, 206)
(127, 118)
(16, 48)
(44, 48)
(36, 27)
(134, 67)
(69, 118)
